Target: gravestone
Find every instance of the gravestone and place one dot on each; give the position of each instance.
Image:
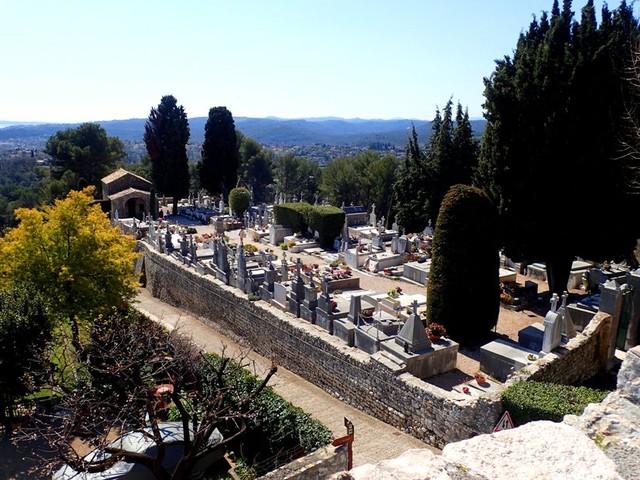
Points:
(266, 289)
(310, 302)
(552, 328)
(378, 242)
(280, 295)
(633, 279)
(168, 242)
(412, 336)
(296, 295)
(568, 329)
(284, 268)
(344, 328)
(241, 273)
(372, 216)
(395, 245)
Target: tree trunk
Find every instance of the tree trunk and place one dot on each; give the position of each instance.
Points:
(558, 270)
(174, 209)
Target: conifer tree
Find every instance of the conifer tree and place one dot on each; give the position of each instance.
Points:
(218, 167)
(166, 134)
(554, 111)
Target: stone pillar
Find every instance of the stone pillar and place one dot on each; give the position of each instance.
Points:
(611, 303)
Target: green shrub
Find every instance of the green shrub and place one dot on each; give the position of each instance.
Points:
(327, 221)
(191, 231)
(239, 200)
(293, 215)
(463, 292)
(527, 401)
(277, 425)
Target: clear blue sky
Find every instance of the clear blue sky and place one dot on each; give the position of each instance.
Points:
(90, 60)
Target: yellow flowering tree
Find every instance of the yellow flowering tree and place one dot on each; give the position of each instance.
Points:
(75, 257)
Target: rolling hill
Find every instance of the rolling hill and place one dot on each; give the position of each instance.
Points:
(268, 131)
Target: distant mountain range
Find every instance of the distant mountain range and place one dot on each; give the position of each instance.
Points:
(268, 131)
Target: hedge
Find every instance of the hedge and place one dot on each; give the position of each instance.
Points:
(327, 220)
(527, 400)
(293, 215)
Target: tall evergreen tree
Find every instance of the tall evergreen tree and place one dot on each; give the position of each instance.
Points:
(410, 189)
(464, 260)
(166, 134)
(220, 160)
(256, 168)
(449, 159)
(553, 112)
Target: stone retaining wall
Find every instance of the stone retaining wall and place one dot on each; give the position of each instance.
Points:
(580, 359)
(425, 411)
(318, 465)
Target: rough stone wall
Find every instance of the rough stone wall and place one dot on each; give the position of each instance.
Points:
(404, 401)
(319, 465)
(580, 359)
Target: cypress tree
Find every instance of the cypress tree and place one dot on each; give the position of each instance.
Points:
(463, 291)
(166, 134)
(218, 167)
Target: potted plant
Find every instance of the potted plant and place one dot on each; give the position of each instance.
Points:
(435, 331)
(480, 377)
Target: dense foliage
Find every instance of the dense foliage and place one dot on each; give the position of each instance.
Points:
(79, 262)
(278, 428)
(527, 401)
(218, 167)
(296, 177)
(85, 151)
(327, 221)
(166, 134)
(555, 112)
(365, 179)
(463, 291)
(25, 333)
(256, 169)
(239, 200)
(293, 215)
(426, 175)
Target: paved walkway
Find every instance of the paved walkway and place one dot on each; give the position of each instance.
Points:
(374, 440)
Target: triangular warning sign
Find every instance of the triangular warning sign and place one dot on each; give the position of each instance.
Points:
(505, 422)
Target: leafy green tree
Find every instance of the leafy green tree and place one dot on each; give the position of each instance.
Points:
(86, 151)
(554, 112)
(218, 167)
(166, 134)
(239, 200)
(25, 333)
(80, 263)
(365, 179)
(463, 291)
(256, 168)
(297, 177)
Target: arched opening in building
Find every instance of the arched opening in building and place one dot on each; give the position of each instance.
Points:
(135, 208)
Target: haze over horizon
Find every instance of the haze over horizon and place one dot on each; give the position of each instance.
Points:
(72, 61)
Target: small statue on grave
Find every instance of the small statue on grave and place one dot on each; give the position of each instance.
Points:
(242, 236)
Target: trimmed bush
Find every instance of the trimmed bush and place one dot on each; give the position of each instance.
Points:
(293, 215)
(328, 221)
(463, 291)
(527, 401)
(239, 200)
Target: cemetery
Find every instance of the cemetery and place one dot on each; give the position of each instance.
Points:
(308, 307)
